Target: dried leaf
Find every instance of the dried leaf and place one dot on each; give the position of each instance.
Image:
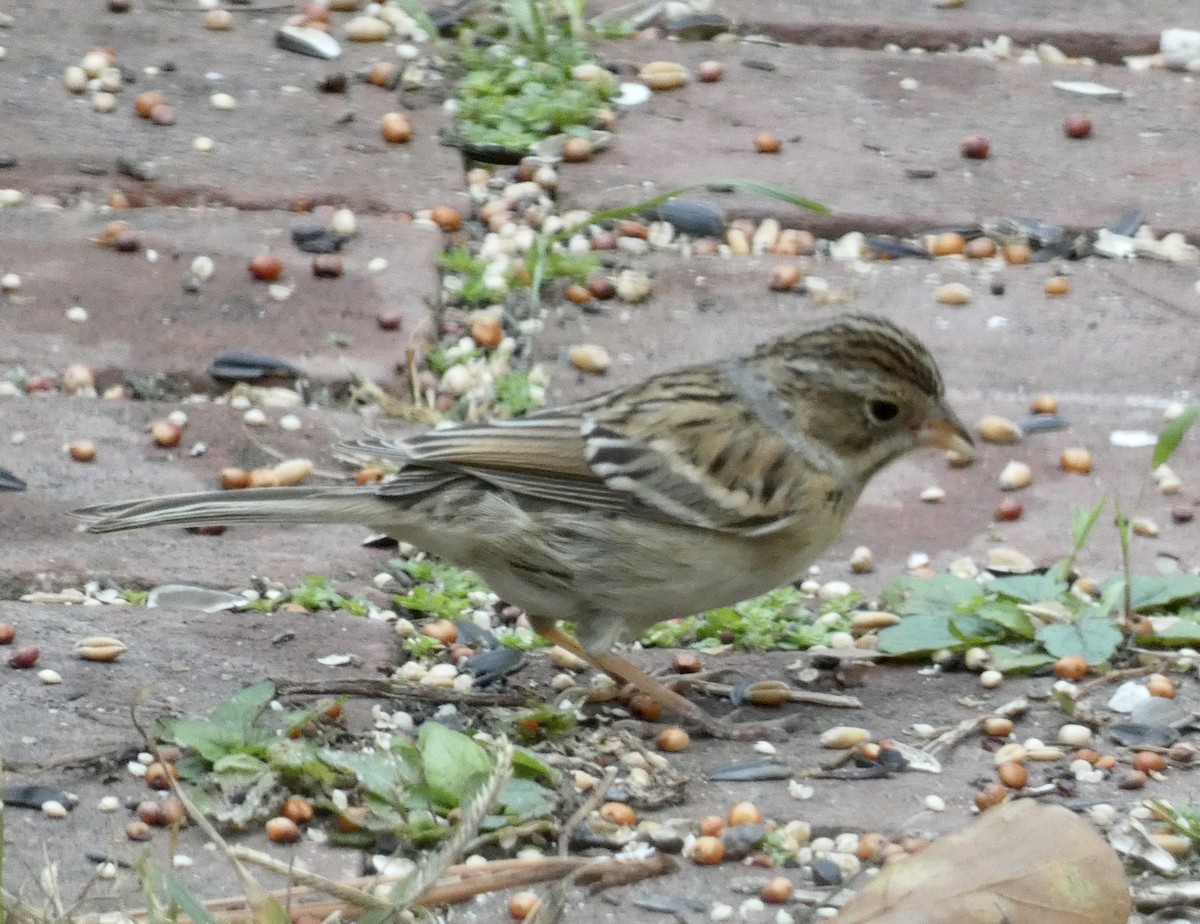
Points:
(1020, 863)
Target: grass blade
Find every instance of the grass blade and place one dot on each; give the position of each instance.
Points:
(1173, 433)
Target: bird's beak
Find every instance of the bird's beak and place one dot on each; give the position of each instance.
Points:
(943, 430)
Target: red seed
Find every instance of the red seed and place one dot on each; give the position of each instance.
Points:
(266, 267)
(1077, 125)
(975, 147)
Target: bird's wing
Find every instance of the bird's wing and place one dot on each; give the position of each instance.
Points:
(662, 447)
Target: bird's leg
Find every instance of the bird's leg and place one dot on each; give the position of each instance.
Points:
(625, 672)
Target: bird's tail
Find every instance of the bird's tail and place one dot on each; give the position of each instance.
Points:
(348, 504)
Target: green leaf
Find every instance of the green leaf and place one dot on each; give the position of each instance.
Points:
(1152, 591)
(969, 629)
(942, 593)
(1015, 661)
(919, 635)
(166, 881)
(525, 800)
(387, 775)
(1173, 433)
(1005, 613)
(453, 763)
(1029, 588)
(233, 727)
(1096, 639)
(526, 764)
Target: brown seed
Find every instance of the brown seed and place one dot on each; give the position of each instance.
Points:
(173, 811)
(384, 74)
(1105, 762)
(1071, 667)
(162, 114)
(645, 707)
(710, 71)
(150, 812)
(100, 648)
(1017, 254)
(997, 726)
(266, 267)
(446, 217)
(601, 287)
(282, 830)
(663, 75)
(1008, 510)
(23, 657)
(577, 150)
(686, 662)
(166, 433)
(578, 294)
(769, 693)
(7, 633)
(980, 248)
(618, 813)
(82, 450)
(327, 266)
(1057, 285)
(1076, 459)
(778, 891)
(395, 128)
(745, 813)
(1132, 779)
(218, 20)
(1086, 754)
(870, 846)
(118, 200)
(389, 319)
(590, 357)
(975, 147)
(369, 474)
(144, 103)
(234, 478)
(1160, 685)
(138, 831)
(712, 826)
(1077, 125)
(1044, 404)
(991, 795)
(672, 740)
(1148, 761)
(948, 244)
(708, 851)
(1181, 753)
(784, 277)
(159, 775)
(627, 227)
(766, 143)
(1013, 775)
(487, 331)
(522, 905)
(441, 629)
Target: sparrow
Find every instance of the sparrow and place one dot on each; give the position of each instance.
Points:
(693, 489)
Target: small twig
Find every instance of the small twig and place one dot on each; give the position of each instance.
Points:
(389, 689)
(811, 698)
(968, 727)
(599, 791)
(538, 826)
(1085, 689)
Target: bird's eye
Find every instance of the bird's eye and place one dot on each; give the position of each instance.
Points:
(882, 411)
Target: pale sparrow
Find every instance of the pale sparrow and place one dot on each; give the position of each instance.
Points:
(693, 489)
